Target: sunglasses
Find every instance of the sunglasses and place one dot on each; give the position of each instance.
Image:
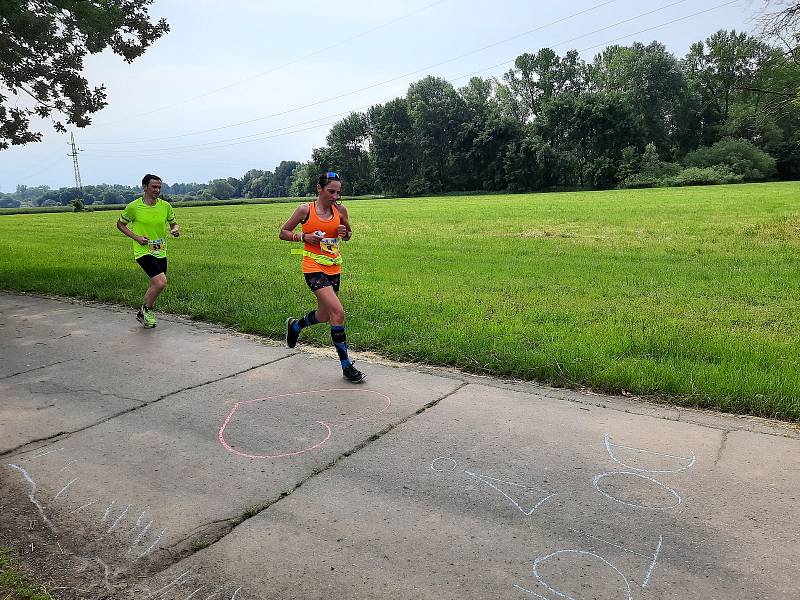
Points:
(332, 175)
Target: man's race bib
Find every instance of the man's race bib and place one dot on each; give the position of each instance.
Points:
(330, 245)
(156, 245)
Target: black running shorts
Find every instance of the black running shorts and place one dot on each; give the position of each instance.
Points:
(317, 281)
(152, 266)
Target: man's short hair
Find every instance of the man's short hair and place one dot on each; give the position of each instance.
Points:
(148, 178)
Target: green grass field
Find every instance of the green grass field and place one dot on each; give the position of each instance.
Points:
(687, 294)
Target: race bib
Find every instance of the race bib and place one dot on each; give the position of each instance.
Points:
(156, 245)
(330, 245)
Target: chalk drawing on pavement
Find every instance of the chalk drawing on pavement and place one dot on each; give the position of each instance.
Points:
(690, 460)
(512, 491)
(538, 562)
(653, 558)
(172, 589)
(638, 474)
(666, 506)
(326, 426)
(446, 464)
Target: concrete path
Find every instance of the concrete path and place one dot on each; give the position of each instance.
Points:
(216, 465)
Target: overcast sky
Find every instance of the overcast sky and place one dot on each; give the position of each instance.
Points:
(244, 84)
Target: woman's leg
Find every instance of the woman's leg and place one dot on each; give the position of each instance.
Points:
(316, 282)
(330, 310)
(329, 307)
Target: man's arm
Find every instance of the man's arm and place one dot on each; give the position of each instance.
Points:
(123, 227)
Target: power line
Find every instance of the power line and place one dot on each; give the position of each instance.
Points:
(416, 71)
(49, 166)
(256, 137)
(278, 68)
(609, 42)
(195, 149)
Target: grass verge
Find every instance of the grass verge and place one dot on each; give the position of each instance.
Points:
(16, 585)
(687, 294)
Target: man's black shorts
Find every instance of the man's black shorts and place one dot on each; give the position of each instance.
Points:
(152, 266)
(316, 281)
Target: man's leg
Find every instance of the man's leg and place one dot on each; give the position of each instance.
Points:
(158, 284)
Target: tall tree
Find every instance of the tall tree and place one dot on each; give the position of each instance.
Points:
(42, 48)
(394, 153)
(721, 67)
(652, 83)
(347, 153)
(781, 18)
(283, 176)
(437, 113)
(483, 139)
(594, 127)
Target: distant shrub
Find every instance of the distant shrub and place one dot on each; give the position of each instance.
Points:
(739, 156)
(641, 180)
(9, 203)
(703, 176)
(645, 170)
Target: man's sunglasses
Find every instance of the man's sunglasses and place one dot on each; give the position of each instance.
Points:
(332, 175)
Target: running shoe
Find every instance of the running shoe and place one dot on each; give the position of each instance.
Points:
(352, 374)
(291, 336)
(149, 317)
(140, 316)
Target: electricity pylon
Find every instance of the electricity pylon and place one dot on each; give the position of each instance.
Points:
(76, 168)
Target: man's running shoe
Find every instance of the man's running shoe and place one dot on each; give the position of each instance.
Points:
(352, 374)
(291, 336)
(149, 317)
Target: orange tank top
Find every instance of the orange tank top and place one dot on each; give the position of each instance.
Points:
(329, 248)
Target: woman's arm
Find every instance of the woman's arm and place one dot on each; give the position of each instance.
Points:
(287, 229)
(345, 231)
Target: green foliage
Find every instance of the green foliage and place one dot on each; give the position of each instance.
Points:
(221, 189)
(303, 179)
(8, 202)
(41, 57)
(787, 157)
(633, 117)
(651, 82)
(394, 152)
(741, 157)
(713, 175)
(628, 118)
(346, 152)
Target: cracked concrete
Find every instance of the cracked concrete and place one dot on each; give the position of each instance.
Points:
(723, 442)
(203, 463)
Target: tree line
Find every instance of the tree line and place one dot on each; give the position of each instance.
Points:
(289, 178)
(635, 116)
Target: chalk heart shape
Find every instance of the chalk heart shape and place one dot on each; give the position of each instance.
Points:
(311, 415)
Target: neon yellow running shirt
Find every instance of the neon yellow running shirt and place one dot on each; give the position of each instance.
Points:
(151, 222)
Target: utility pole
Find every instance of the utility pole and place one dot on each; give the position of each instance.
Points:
(77, 203)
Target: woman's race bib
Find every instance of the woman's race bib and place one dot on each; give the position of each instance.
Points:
(156, 245)
(330, 245)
